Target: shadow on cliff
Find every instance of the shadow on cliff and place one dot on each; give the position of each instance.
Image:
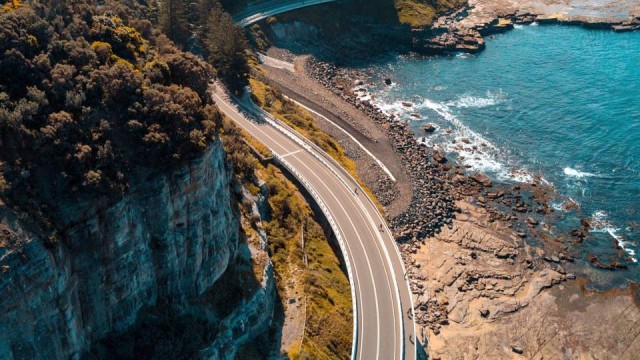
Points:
(342, 33)
(237, 310)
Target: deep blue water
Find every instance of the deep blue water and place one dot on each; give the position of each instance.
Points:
(558, 102)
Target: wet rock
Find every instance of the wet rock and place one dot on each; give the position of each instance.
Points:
(613, 265)
(429, 128)
(482, 179)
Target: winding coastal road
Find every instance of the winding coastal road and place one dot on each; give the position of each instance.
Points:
(261, 11)
(383, 311)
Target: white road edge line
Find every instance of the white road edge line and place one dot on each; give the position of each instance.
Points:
(323, 157)
(402, 266)
(379, 243)
(375, 293)
(378, 161)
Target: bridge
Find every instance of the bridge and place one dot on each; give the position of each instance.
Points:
(383, 327)
(260, 11)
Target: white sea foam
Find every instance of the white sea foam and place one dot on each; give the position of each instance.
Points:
(577, 173)
(557, 206)
(397, 108)
(467, 101)
(600, 223)
(472, 148)
(475, 150)
(565, 204)
(534, 24)
(518, 26)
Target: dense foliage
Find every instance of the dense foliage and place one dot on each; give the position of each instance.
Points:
(205, 27)
(85, 99)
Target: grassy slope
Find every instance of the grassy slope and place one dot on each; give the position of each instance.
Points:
(421, 13)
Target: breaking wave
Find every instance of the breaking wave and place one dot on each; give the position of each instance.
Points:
(600, 223)
(577, 173)
(467, 101)
(472, 148)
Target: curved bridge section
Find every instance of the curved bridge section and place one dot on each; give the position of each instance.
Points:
(383, 326)
(261, 11)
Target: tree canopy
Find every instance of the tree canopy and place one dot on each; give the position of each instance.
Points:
(206, 28)
(85, 98)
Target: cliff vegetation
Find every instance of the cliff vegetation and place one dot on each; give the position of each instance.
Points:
(206, 28)
(422, 13)
(87, 99)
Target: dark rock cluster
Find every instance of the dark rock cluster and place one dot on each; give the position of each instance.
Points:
(433, 203)
(448, 34)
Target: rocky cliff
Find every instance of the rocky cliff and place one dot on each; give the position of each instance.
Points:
(170, 239)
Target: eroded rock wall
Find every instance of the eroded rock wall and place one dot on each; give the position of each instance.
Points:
(171, 237)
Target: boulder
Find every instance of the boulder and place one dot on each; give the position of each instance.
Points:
(482, 179)
(429, 128)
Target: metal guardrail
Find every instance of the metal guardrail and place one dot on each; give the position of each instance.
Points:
(336, 230)
(306, 143)
(323, 208)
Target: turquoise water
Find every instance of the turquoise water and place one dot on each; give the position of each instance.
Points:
(558, 102)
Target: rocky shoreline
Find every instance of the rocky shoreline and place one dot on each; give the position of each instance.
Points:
(438, 183)
(464, 30)
(503, 220)
(488, 278)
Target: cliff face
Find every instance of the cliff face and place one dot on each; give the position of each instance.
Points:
(171, 238)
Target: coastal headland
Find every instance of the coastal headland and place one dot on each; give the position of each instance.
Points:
(465, 29)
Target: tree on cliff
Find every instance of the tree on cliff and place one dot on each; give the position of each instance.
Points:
(225, 46)
(173, 21)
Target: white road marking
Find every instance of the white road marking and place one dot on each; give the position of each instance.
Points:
(373, 282)
(378, 161)
(359, 208)
(291, 153)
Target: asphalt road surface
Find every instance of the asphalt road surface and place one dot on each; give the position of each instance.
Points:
(383, 321)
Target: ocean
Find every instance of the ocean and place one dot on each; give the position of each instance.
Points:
(561, 103)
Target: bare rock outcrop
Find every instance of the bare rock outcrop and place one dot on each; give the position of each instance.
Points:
(171, 238)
